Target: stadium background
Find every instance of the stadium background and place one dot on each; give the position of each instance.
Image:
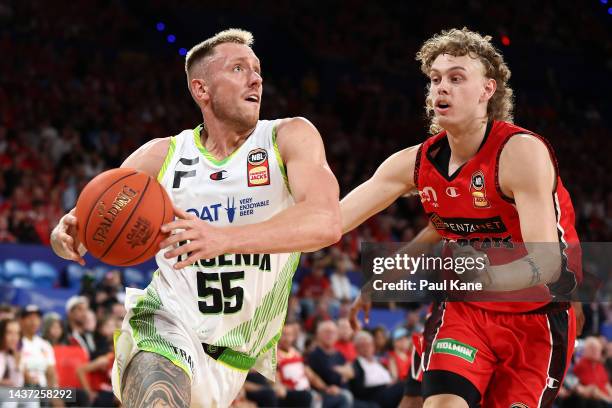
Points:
(83, 84)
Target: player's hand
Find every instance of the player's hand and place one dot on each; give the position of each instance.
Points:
(362, 302)
(470, 274)
(205, 241)
(64, 239)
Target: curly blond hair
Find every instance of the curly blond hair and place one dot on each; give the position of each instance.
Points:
(466, 42)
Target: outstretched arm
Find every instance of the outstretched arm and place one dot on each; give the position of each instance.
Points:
(394, 178)
(312, 223)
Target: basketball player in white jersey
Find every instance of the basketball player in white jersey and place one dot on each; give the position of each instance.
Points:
(249, 195)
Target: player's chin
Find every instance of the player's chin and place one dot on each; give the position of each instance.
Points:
(445, 120)
(250, 116)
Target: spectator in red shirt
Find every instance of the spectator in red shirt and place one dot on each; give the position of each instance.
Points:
(399, 357)
(314, 287)
(345, 340)
(592, 374)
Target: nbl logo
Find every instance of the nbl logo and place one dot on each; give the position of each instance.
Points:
(258, 169)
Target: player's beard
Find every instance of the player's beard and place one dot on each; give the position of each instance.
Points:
(231, 113)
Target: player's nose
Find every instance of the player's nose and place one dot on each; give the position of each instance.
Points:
(442, 87)
(255, 79)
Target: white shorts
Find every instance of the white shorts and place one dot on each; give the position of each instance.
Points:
(216, 377)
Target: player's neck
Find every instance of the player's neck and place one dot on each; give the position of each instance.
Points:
(221, 139)
(465, 140)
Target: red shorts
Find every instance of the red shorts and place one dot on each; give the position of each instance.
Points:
(497, 359)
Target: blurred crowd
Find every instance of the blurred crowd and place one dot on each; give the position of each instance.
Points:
(79, 93)
(327, 366)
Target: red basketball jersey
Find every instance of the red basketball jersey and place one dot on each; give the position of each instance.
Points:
(469, 207)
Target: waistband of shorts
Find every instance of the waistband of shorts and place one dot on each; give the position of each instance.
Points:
(551, 307)
(230, 357)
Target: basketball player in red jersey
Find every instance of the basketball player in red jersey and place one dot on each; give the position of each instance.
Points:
(484, 180)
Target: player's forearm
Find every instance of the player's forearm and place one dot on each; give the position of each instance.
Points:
(306, 226)
(541, 266)
(420, 245)
(362, 203)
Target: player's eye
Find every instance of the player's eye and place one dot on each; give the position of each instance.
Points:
(456, 79)
(435, 80)
(238, 68)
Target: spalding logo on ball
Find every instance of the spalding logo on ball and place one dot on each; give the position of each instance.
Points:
(119, 215)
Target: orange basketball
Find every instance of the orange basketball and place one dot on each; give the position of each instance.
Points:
(119, 215)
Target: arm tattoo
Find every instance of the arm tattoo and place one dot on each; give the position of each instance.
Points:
(536, 275)
(151, 380)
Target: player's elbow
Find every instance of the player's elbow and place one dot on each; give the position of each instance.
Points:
(329, 230)
(335, 233)
(552, 264)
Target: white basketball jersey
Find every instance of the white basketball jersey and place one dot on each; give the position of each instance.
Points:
(235, 300)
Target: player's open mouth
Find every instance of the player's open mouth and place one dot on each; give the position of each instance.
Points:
(442, 107)
(252, 98)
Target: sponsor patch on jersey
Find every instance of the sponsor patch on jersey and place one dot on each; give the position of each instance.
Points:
(518, 405)
(211, 212)
(258, 168)
(467, 226)
(455, 348)
(249, 206)
(478, 190)
(428, 195)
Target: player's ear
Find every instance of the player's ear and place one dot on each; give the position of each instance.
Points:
(490, 86)
(199, 89)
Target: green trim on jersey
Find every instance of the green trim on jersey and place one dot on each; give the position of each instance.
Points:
(279, 159)
(207, 155)
(273, 304)
(168, 159)
(236, 360)
(145, 333)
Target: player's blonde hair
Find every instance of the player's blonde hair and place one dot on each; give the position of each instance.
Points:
(207, 47)
(466, 42)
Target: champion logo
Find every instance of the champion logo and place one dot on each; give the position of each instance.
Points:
(220, 175)
(552, 383)
(452, 192)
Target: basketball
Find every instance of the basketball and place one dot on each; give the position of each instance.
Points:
(119, 215)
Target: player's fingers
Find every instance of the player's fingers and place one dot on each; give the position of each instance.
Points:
(366, 312)
(183, 249)
(70, 220)
(189, 261)
(65, 239)
(178, 224)
(183, 214)
(178, 237)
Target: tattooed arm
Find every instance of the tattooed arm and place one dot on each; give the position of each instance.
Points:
(527, 175)
(151, 380)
